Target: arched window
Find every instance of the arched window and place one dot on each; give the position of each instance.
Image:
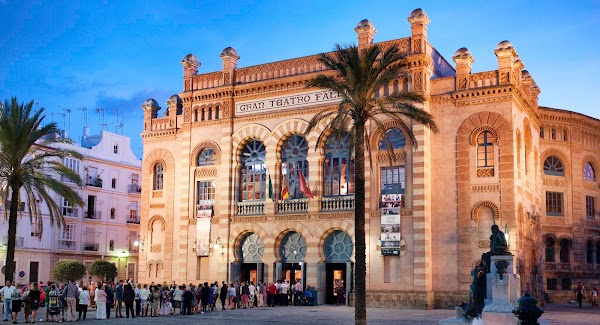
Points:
(541, 132)
(553, 134)
(588, 172)
(206, 157)
(113, 183)
(338, 166)
(395, 137)
(293, 157)
(550, 256)
(254, 172)
(589, 252)
(113, 213)
(485, 150)
(553, 166)
(158, 177)
(565, 136)
(564, 250)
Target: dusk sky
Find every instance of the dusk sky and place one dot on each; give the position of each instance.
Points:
(116, 54)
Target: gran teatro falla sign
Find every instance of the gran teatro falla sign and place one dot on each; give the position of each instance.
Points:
(267, 105)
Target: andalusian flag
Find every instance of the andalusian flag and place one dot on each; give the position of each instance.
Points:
(270, 188)
(284, 190)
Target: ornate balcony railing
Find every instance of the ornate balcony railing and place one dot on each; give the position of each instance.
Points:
(67, 244)
(94, 181)
(91, 247)
(292, 206)
(96, 215)
(339, 203)
(250, 208)
(550, 266)
(70, 212)
(563, 267)
(134, 188)
(133, 219)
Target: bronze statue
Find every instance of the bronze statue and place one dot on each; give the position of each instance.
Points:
(498, 246)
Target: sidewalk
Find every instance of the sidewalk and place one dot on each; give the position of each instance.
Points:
(334, 315)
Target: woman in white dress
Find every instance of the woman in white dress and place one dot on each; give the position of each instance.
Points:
(100, 299)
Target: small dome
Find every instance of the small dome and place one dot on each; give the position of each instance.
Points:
(463, 51)
(229, 51)
(190, 57)
(365, 23)
(174, 100)
(504, 45)
(151, 103)
(525, 74)
(417, 13)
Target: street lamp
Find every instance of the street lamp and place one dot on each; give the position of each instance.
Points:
(506, 235)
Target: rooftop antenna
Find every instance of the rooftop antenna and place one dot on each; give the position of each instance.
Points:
(67, 118)
(85, 116)
(100, 111)
(118, 125)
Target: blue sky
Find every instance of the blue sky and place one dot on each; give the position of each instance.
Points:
(116, 54)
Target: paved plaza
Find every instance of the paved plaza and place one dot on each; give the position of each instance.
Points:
(333, 315)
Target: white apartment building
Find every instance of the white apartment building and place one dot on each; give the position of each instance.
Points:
(107, 227)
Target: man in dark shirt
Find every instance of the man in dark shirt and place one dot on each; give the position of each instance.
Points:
(187, 301)
(110, 298)
(223, 294)
(119, 299)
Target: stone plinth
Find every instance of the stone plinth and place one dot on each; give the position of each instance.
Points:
(458, 319)
(502, 291)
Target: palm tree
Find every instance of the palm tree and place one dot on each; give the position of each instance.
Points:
(28, 161)
(357, 77)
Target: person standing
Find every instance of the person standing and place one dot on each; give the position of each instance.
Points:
(187, 301)
(71, 293)
(138, 300)
(128, 298)
(298, 293)
(17, 301)
(100, 299)
(47, 292)
(110, 298)
(223, 295)
(580, 292)
(177, 296)
(252, 294)
(119, 299)
(144, 296)
(594, 297)
(231, 296)
(84, 302)
(34, 296)
(263, 292)
(7, 293)
(54, 303)
(271, 294)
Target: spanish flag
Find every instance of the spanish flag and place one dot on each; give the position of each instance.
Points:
(284, 190)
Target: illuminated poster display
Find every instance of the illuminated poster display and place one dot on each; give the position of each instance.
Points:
(390, 224)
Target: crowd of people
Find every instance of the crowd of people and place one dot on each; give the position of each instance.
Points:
(70, 301)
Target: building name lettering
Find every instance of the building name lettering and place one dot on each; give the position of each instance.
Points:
(290, 101)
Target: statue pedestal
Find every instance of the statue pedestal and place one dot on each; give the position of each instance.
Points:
(503, 290)
(458, 319)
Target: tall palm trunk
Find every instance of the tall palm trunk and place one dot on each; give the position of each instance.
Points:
(12, 235)
(360, 268)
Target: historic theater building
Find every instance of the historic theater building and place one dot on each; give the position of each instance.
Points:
(219, 160)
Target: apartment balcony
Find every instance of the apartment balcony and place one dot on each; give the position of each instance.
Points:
(133, 219)
(338, 203)
(19, 244)
(90, 247)
(134, 188)
(67, 244)
(70, 212)
(251, 208)
(94, 181)
(94, 215)
(293, 206)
